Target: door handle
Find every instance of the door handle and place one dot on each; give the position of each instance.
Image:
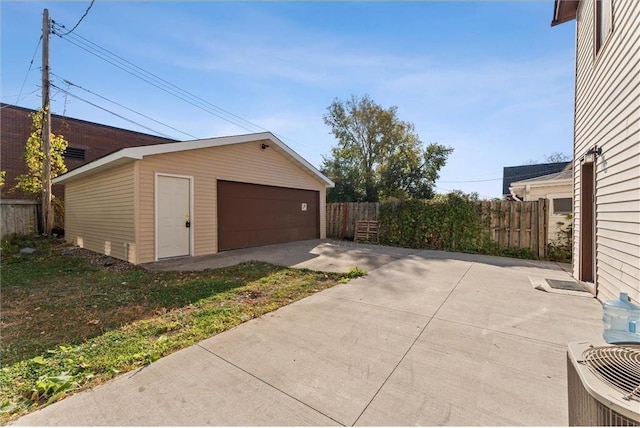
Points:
(187, 224)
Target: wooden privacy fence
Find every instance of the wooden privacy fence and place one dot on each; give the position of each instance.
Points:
(342, 217)
(509, 224)
(517, 224)
(19, 217)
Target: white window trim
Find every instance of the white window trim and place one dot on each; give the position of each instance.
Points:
(597, 51)
(552, 196)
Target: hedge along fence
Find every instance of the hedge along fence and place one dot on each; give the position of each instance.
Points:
(454, 222)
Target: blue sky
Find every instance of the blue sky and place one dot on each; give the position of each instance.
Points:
(492, 80)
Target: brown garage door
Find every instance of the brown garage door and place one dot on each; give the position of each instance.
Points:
(250, 215)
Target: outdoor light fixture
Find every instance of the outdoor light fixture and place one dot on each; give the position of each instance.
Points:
(263, 146)
(591, 154)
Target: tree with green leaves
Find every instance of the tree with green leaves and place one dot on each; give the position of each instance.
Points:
(378, 156)
(31, 183)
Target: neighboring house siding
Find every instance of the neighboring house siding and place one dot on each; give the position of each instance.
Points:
(101, 212)
(607, 114)
(551, 192)
(245, 162)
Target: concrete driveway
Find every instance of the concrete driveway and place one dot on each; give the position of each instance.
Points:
(426, 338)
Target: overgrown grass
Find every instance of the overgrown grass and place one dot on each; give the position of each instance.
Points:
(67, 325)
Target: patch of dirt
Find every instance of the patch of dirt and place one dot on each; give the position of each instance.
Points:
(250, 297)
(96, 260)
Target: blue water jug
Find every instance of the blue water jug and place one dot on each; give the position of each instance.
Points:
(621, 321)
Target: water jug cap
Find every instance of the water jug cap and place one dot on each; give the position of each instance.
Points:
(624, 296)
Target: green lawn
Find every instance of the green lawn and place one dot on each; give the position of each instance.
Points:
(72, 319)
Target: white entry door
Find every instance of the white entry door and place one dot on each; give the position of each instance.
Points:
(173, 216)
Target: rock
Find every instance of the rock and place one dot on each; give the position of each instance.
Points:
(57, 231)
(27, 251)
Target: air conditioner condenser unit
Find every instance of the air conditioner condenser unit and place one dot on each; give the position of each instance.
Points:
(603, 384)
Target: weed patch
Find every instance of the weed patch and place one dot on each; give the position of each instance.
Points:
(70, 322)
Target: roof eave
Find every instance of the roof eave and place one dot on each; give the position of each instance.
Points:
(554, 182)
(113, 160)
(135, 153)
(564, 11)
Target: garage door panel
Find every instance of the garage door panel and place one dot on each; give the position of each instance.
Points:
(251, 215)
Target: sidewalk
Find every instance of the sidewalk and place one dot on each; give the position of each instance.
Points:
(426, 338)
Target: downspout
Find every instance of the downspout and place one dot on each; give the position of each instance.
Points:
(513, 195)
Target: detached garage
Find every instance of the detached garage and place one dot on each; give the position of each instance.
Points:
(142, 204)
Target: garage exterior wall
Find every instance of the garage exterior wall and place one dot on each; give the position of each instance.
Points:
(100, 212)
(607, 114)
(245, 162)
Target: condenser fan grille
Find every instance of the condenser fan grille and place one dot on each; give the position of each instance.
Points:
(618, 366)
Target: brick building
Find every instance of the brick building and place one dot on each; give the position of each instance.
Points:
(87, 141)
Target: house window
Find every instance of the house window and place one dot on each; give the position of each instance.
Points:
(562, 205)
(603, 22)
(74, 153)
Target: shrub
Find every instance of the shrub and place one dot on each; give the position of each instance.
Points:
(561, 248)
(451, 222)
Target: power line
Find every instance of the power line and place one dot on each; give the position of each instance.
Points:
(157, 81)
(79, 21)
(453, 190)
(29, 70)
(113, 113)
(124, 107)
(29, 94)
(470, 181)
(160, 83)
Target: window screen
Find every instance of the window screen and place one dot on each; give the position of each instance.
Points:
(562, 206)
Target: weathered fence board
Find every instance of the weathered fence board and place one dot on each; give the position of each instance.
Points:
(342, 217)
(19, 217)
(510, 224)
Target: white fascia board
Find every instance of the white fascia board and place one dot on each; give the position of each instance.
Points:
(301, 160)
(137, 153)
(114, 159)
(534, 182)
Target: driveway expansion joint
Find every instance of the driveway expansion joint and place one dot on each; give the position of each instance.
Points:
(270, 385)
(506, 333)
(373, 305)
(414, 342)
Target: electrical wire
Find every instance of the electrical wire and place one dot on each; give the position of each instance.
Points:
(471, 181)
(79, 21)
(160, 83)
(113, 113)
(453, 190)
(123, 106)
(157, 81)
(29, 70)
(26, 96)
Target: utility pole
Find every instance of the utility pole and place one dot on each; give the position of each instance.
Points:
(47, 212)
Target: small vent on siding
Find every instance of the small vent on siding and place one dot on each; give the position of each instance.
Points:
(74, 153)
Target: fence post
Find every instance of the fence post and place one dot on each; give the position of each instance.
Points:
(542, 228)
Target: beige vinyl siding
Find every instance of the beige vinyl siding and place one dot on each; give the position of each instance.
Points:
(99, 212)
(245, 162)
(608, 115)
(544, 190)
